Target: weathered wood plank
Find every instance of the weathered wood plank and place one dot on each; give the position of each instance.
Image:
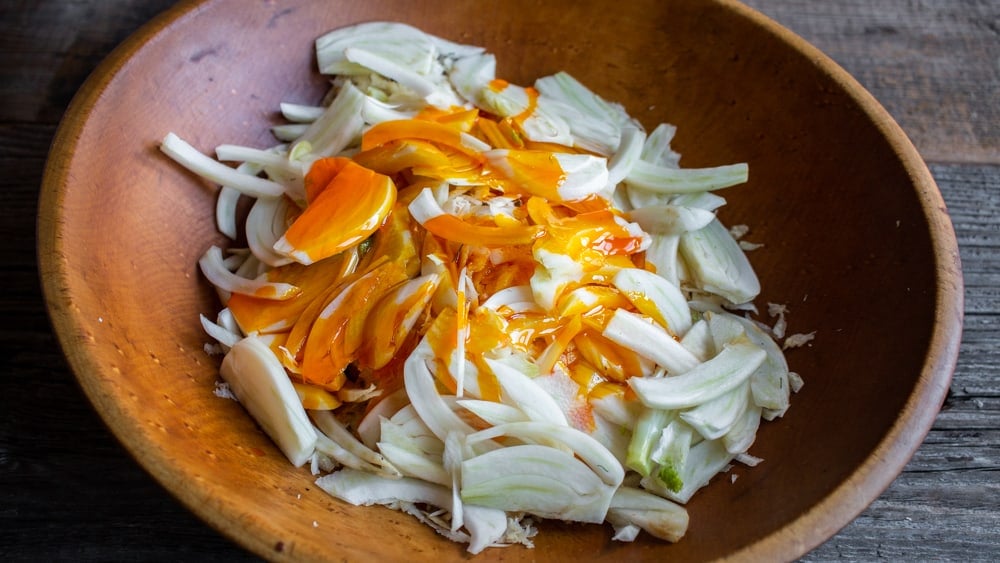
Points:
(51, 47)
(932, 64)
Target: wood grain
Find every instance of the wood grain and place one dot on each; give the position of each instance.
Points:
(68, 491)
(935, 61)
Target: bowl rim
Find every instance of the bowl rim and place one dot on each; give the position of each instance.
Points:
(815, 526)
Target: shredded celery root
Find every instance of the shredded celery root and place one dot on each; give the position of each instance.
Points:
(484, 304)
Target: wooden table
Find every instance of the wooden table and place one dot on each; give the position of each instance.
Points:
(69, 491)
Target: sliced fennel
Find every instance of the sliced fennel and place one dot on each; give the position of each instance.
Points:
(259, 382)
(486, 526)
(540, 480)
(536, 330)
(213, 170)
(718, 264)
(656, 515)
(663, 179)
(706, 381)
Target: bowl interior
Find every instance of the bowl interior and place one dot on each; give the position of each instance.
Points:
(853, 244)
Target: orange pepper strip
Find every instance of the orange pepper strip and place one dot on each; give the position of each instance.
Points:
(399, 154)
(487, 333)
(255, 314)
(294, 345)
(315, 398)
(321, 173)
(352, 207)
(498, 137)
(452, 228)
(386, 327)
(388, 276)
(613, 361)
(585, 375)
(459, 166)
(459, 118)
(441, 337)
(334, 339)
(565, 335)
(535, 172)
(386, 131)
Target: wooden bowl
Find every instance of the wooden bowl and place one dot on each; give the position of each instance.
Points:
(857, 242)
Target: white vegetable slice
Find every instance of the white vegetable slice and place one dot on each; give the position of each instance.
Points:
(361, 488)
(713, 419)
(412, 434)
(508, 101)
(225, 211)
(700, 200)
(543, 125)
(364, 489)
(518, 299)
(299, 113)
(650, 341)
(222, 335)
(213, 170)
(698, 340)
(405, 45)
(262, 158)
(654, 296)
(770, 384)
(666, 180)
(411, 79)
(333, 131)
(424, 397)
(415, 464)
(718, 265)
(212, 266)
(454, 454)
(258, 380)
(369, 427)
(594, 123)
(521, 391)
(663, 255)
(329, 425)
(743, 433)
(583, 174)
(592, 452)
(339, 454)
(553, 273)
(617, 410)
(289, 132)
(469, 75)
(375, 111)
(226, 320)
(265, 225)
(670, 219)
(658, 516)
(645, 436)
(726, 371)
(705, 460)
(540, 480)
(656, 149)
(486, 526)
(425, 207)
(494, 413)
(671, 452)
(629, 150)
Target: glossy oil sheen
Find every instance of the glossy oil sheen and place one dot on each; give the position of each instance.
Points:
(856, 241)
